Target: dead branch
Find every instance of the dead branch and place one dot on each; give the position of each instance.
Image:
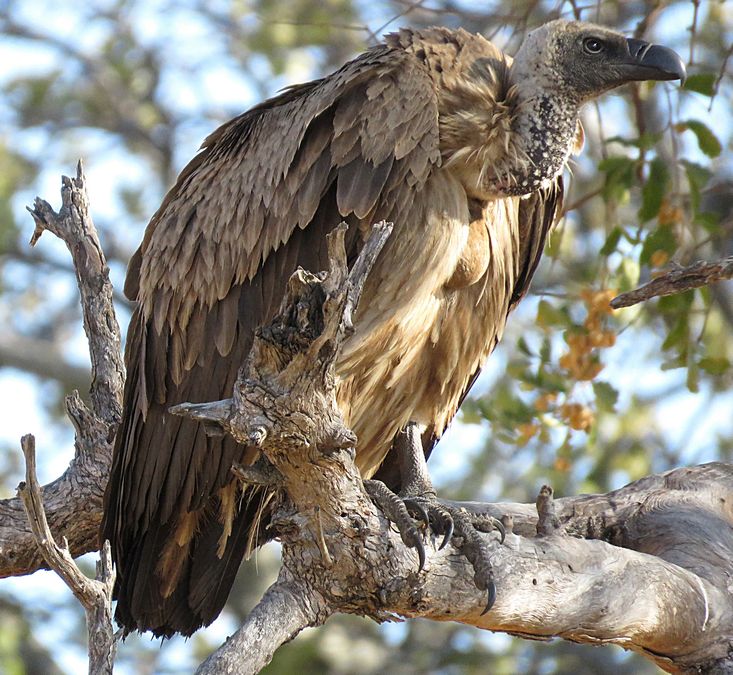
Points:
(646, 567)
(677, 280)
(94, 595)
(286, 609)
(74, 226)
(74, 501)
(643, 581)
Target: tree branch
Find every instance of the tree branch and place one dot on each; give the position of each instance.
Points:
(74, 226)
(646, 567)
(667, 599)
(285, 610)
(678, 280)
(94, 595)
(74, 501)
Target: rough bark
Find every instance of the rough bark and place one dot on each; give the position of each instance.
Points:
(640, 569)
(73, 502)
(647, 567)
(677, 280)
(95, 595)
(285, 609)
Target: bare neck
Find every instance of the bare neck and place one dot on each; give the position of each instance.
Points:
(544, 126)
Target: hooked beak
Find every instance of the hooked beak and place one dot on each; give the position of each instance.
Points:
(653, 62)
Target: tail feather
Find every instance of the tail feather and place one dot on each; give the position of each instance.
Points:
(174, 571)
(204, 579)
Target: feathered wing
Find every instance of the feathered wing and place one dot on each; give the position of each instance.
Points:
(255, 203)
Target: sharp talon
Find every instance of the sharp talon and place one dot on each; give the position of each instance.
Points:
(448, 534)
(420, 554)
(492, 597)
(417, 509)
(502, 530)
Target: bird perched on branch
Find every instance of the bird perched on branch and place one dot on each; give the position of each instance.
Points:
(438, 131)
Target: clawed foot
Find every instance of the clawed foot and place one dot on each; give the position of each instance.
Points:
(412, 515)
(418, 509)
(396, 511)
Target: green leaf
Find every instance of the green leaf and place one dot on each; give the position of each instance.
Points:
(609, 246)
(709, 220)
(546, 350)
(551, 381)
(706, 139)
(517, 368)
(549, 315)
(654, 189)
(662, 239)
(678, 336)
(524, 347)
(673, 364)
(702, 83)
(628, 275)
(698, 177)
(619, 177)
(606, 396)
(678, 304)
(714, 366)
(646, 141)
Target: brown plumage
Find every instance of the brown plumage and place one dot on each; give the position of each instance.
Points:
(434, 131)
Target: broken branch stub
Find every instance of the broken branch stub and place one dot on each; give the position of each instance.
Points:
(291, 364)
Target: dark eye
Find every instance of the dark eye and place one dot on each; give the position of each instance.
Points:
(593, 45)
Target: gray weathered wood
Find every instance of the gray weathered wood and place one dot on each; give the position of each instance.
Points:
(95, 595)
(285, 609)
(73, 502)
(647, 567)
(677, 280)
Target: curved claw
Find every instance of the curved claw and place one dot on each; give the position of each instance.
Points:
(420, 554)
(487, 523)
(492, 597)
(502, 530)
(448, 533)
(417, 510)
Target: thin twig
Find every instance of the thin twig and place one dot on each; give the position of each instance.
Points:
(676, 281)
(721, 75)
(94, 595)
(74, 226)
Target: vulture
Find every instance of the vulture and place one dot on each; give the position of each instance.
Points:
(438, 131)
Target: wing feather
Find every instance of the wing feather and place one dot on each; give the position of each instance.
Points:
(256, 202)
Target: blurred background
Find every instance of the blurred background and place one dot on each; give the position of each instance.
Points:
(575, 396)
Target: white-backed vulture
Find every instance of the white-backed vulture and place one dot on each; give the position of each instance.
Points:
(437, 131)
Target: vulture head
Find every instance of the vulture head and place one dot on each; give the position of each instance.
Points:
(582, 60)
(559, 67)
